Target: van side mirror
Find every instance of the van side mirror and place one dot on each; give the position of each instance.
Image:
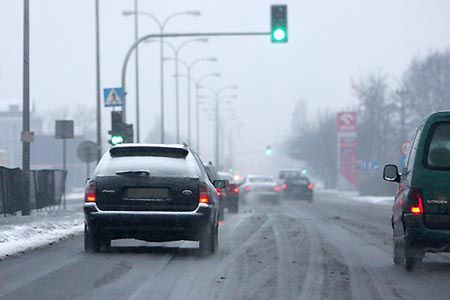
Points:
(390, 173)
(220, 184)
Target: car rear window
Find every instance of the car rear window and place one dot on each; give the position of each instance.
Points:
(289, 173)
(163, 162)
(148, 151)
(438, 152)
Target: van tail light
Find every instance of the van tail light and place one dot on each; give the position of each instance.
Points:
(89, 193)
(276, 188)
(310, 186)
(204, 195)
(236, 190)
(415, 202)
(284, 186)
(248, 188)
(219, 192)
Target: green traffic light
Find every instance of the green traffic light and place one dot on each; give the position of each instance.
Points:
(116, 139)
(279, 34)
(269, 151)
(278, 24)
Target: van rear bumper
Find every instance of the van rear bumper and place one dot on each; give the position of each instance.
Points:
(149, 225)
(418, 234)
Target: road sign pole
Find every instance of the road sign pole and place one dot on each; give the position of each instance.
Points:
(26, 109)
(97, 71)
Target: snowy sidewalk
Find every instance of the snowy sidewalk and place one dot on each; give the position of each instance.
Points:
(19, 234)
(352, 195)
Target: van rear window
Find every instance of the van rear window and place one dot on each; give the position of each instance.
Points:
(439, 147)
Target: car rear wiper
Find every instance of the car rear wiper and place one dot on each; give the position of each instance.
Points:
(134, 173)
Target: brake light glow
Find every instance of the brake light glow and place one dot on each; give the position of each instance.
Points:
(89, 194)
(204, 197)
(219, 192)
(310, 186)
(236, 190)
(284, 186)
(276, 188)
(415, 201)
(248, 188)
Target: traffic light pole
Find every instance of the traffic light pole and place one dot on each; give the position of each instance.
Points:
(174, 35)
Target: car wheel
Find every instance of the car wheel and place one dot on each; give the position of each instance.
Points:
(92, 244)
(207, 242)
(398, 257)
(216, 238)
(234, 209)
(410, 263)
(221, 214)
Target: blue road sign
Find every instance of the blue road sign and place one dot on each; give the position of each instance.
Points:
(113, 97)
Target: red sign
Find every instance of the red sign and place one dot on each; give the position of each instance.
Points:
(346, 121)
(347, 145)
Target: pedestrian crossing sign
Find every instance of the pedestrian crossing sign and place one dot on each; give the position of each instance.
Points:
(113, 97)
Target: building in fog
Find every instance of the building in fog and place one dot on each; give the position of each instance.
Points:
(46, 151)
(10, 128)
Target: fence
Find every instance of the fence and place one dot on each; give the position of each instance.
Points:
(46, 189)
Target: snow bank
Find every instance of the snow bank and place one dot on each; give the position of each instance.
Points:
(19, 234)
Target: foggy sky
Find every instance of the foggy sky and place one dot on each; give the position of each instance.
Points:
(330, 42)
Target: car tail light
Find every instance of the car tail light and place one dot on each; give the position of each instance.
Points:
(248, 188)
(284, 186)
(89, 193)
(415, 202)
(310, 186)
(276, 188)
(236, 190)
(204, 195)
(219, 192)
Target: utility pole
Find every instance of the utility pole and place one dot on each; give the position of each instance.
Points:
(136, 37)
(217, 130)
(26, 109)
(97, 71)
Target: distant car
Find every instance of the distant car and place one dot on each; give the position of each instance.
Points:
(261, 187)
(298, 187)
(231, 198)
(421, 209)
(213, 175)
(155, 193)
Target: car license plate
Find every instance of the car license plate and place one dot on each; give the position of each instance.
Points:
(147, 193)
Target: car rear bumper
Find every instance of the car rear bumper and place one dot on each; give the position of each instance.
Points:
(418, 234)
(149, 225)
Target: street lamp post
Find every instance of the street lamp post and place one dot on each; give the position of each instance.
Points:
(197, 83)
(161, 26)
(189, 68)
(217, 101)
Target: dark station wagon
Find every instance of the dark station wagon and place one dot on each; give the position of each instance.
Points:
(155, 193)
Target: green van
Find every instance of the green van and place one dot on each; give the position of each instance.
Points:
(421, 209)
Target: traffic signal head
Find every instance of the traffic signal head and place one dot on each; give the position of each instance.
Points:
(269, 150)
(117, 131)
(279, 29)
(128, 133)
